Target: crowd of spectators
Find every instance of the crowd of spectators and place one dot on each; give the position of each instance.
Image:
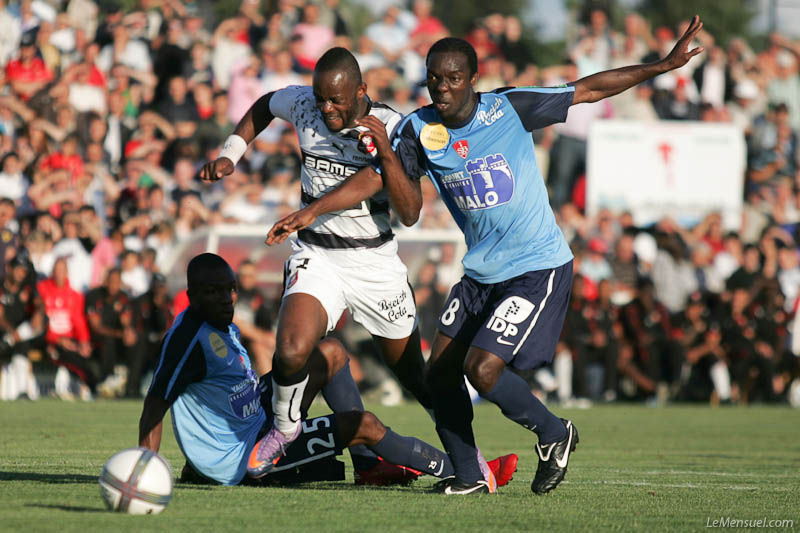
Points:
(106, 115)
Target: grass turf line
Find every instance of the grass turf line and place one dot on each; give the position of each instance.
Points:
(635, 468)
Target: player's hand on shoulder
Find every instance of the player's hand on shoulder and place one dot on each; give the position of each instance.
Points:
(289, 224)
(377, 129)
(216, 170)
(680, 54)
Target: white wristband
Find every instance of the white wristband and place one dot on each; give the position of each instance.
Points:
(234, 148)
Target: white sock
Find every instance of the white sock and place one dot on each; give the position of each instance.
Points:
(31, 385)
(26, 331)
(721, 379)
(286, 406)
(20, 367)
(546, 379)
(4, 392)
(62, 381)
(562, 367)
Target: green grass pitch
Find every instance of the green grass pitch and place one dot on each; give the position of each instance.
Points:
(635, 468)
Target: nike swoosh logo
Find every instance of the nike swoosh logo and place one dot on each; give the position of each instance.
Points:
(562, 463)
(500, 340)
(449, 489)
(540, 450)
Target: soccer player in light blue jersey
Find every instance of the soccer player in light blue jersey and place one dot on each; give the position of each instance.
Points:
(220, 408)
(509, 308)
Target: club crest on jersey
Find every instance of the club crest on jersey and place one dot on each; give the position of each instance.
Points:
(462, 148)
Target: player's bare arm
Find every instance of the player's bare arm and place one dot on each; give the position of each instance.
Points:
(252, 123)
(362, 185)
(405, 195)
(610, 82)
(151, 420)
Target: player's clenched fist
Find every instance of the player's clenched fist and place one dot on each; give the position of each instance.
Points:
(377, 129)
(217, 169)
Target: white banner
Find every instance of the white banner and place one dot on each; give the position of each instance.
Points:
(683, 170)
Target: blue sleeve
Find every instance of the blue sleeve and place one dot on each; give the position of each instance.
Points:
(406, 145)
(538, 107)
(181, 363)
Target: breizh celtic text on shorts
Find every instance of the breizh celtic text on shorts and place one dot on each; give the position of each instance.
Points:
(394, 308)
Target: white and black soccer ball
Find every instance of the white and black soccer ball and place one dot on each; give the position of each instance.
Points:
(136, 481)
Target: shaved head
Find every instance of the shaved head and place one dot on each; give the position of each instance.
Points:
(205, 268)
(339, 91)
(211, 289)
(339, 60)
(458, 46)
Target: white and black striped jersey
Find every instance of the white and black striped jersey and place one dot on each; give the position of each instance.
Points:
(328, 159)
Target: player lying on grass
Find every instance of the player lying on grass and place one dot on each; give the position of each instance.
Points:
(220, 408)
(508, 310)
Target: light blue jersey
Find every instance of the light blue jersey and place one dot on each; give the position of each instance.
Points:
(216, 411)
(486, 173)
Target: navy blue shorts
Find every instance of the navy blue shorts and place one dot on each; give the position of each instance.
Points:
(519, 320)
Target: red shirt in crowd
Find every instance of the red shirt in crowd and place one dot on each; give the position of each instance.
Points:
(36, 70)
(72, 163)
(65, 312)
(180, 302)
(96, 77)
(428, 26)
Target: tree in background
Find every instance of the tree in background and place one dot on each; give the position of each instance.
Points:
(722, 19)
(459, 16)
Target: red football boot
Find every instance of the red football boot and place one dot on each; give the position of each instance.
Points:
(386, 473)
(503, 468)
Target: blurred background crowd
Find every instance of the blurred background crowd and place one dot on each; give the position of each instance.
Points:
(107, 110)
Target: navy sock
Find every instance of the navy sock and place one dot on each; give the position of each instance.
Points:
(453, 410)
(341, 395)
(513, 396)
(414, 453)
(410, 372)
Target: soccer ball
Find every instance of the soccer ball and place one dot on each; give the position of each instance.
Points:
(136, 481)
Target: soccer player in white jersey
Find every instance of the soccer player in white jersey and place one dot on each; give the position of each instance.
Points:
(346, 259)
(508, 309)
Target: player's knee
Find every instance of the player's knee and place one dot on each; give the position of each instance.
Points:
(335, 354)
(293, 353)
(481, 373)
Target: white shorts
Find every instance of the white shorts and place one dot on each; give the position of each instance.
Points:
(370, 283)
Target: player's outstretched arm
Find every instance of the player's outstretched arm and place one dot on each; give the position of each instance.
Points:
(354, 190)
(150, 422)
(252, 123)
(610, 82)
(405, 194)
